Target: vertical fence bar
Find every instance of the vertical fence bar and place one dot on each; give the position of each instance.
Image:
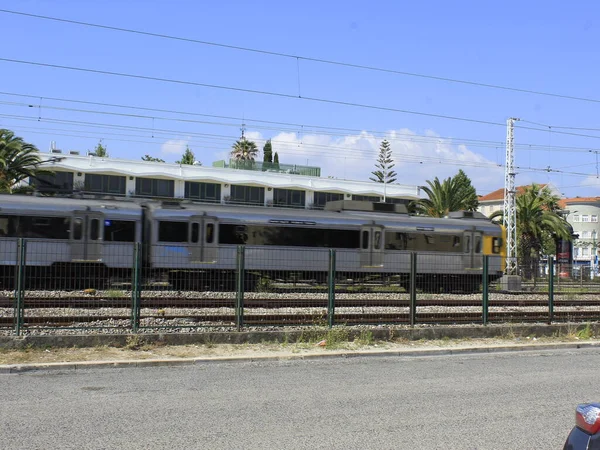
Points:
(239, 276)
(413, 289)
(135, 287)
(485, 285)
(20, 285)
(551, 289)
(331, 289)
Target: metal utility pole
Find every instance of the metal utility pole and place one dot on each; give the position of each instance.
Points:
(510, 206)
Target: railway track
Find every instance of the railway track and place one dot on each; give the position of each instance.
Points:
(298, 302)
(310, 319)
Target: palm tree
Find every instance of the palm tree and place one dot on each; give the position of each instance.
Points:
(452, 194)
(244, 152)
(537, 220)
(18, 160)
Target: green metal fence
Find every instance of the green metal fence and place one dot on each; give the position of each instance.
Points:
(254, 287)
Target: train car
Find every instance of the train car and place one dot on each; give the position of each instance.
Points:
(84, 243)
(199, 242)
(69, 241)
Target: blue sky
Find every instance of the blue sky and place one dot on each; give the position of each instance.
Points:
(547, 46)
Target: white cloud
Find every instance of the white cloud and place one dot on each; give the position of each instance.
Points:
(417, 158)
(174, 146)
(591, 182)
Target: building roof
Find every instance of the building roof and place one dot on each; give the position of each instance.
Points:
(563, 203)
(99, 165)
(498, 194)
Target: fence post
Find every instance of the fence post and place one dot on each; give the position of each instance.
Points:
(20, 285)
(331, 289)
(135, 287)
(485, 285)
(413, 289)
(550, 289)
(239, 278)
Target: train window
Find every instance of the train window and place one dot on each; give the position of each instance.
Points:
(77, 228)
(395, 241)
(429, 239)
(467, 244)
(288, 236)
(365, 239)
(496, 245)
(35, 227)
(41, 221)
(477, 243)
(172, 231)
(377, 240)
(4, 226)
(195, 233)
(210, 233)
(456, 241)
(119, 231)
(94, 229)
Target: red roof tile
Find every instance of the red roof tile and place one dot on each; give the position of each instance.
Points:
(498, 194)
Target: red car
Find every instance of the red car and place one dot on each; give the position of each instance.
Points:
(585, 435)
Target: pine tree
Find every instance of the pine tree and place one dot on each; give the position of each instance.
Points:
(267, 155)
(187, 157)
(100, 151)
(384, 165)
(467, 191)
(276, 161)
(268, 152)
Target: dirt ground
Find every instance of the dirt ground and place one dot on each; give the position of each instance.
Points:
(140, 351)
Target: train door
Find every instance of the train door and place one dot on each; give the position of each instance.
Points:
(203, 239)
(472, 250)
(371, 246)
(87, 231)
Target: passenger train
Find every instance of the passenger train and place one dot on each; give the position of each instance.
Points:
(188, 244)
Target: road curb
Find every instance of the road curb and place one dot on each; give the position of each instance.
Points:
(174, 362)
(257, 336)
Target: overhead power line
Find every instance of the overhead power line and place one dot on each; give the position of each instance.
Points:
(250, 91)
(313, 150)
(304, 58)
(279, 94)
(335, 131)
(322, 149)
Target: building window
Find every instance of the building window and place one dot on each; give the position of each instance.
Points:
(252, 195)
(293, 198)
(576, 252)
(58, 182)
(321, 198)
(586, 234)
(154, 187)
(585, 252)
(585, 218)
(594, 218)
(207, 192)
(576, 218)
(594, 234)
(402, 201)
(106, 184)
(366, 198)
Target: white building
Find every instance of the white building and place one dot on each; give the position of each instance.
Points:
(582, 213)
(119, 177)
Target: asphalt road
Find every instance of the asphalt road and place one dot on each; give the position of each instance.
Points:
(521, 400)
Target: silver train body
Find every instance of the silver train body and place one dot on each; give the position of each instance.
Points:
(94, 239)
